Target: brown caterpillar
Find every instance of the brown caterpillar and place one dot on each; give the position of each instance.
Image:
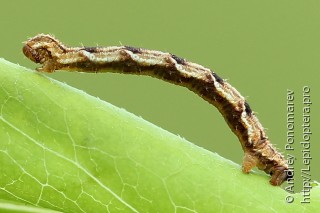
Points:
(258, 151)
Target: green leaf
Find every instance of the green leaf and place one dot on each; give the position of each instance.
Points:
(15, 207)
(64, 150)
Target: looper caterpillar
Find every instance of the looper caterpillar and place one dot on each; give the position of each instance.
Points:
(258, 151)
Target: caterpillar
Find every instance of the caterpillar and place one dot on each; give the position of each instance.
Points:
(258, 151)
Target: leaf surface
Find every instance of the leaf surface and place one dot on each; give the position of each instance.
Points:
(64, 150)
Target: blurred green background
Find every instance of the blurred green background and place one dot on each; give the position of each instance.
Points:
(263, 48)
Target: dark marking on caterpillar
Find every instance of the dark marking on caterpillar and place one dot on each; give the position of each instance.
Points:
(91, 49)
(133, 49)
(248, 109)
(178, 59)
(220, 80)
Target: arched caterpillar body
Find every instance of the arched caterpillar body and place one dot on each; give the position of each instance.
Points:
(258, 151)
